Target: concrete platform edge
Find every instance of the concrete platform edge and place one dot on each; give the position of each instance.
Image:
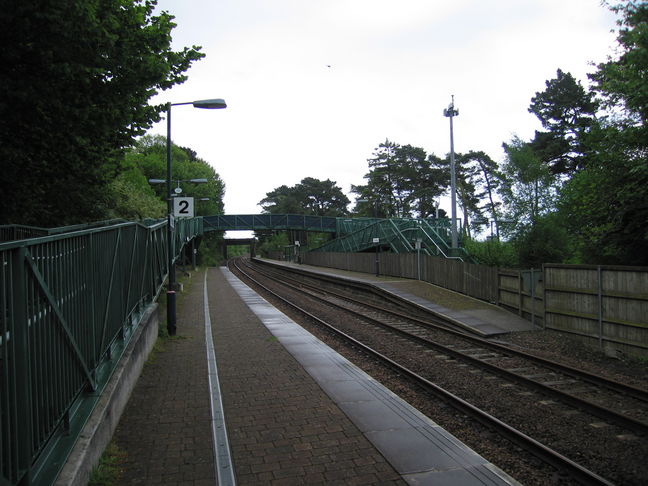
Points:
(101, 425)
(387, 424)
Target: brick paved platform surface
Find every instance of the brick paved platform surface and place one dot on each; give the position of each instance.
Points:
(282, 428)
(165, 431)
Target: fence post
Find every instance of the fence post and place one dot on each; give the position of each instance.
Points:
(532, 298)
(520, 298)
(544, 297)
(22, 434)
(600, 305)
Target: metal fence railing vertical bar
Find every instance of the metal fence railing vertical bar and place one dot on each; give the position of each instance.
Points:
(69, 303)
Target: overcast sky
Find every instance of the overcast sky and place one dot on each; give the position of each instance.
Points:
(314, 86)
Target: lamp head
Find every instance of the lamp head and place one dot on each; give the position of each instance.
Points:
(210, 104)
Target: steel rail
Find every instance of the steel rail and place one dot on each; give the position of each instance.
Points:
(592, 408)
(593, 379)
(548, 455)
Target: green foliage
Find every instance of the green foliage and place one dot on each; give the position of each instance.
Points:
(568, 113)
(402, 180)
(273, 245)
(148, 155)
(210, 250)
(606, 205)
(75, 83)
(492, 252)
(547, 241)
(528, 188)
(238, 250)
(622, 81)
(311, 197)
(134, 199)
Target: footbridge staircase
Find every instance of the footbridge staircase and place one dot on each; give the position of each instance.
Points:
(430, 237)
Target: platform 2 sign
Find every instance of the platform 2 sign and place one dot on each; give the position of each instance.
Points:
(183, 207)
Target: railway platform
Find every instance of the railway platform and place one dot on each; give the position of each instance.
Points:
(467, 313)
(243, 395)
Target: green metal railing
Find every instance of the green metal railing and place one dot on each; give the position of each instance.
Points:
(69, 303)
(13, 232)
(399, 235)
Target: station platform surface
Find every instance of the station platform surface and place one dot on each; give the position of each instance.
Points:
(276, 406)
(466, 312)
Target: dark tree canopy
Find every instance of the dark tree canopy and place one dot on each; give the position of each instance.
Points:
(75, 83)
(148, 156)
(567, 113)
(311, 197)
(402, 180)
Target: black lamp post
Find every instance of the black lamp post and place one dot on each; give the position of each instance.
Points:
(171, 291)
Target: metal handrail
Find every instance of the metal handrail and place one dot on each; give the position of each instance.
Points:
(69, 303)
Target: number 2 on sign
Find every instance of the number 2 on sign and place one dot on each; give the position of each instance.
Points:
(183, 207)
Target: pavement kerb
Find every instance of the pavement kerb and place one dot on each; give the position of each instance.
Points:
(101, 425)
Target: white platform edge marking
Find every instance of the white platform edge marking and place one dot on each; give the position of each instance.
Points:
(272, 317)
(222, 454)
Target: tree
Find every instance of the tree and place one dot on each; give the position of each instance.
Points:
(323, 198)
(528, 189)
(401, 182)
(567, 113)
(466, 174)
(430, 184)
(149, 157)
(75, 83)
(606, 205)
(487, 182)
(134, 198)
(546, 241)
(622, 82)
(382, 189)
(311, 197)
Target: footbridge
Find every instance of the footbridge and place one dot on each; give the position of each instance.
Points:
(261, 222)
(397, 235)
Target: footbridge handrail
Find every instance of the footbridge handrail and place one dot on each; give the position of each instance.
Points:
(261, 222)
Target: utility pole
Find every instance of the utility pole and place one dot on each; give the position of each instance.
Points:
(451, 112)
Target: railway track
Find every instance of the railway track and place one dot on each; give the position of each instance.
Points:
(534, 403)
(589, 392)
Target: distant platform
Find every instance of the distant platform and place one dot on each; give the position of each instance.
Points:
(465, 312)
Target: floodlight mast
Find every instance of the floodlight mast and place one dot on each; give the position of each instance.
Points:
(450, 112)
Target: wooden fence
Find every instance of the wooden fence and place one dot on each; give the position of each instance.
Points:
(602, 305)
(607, 305)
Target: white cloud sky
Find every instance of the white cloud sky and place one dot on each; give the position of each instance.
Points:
(393, 68)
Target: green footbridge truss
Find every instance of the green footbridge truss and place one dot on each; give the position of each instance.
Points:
(430, 237)
(398, 235)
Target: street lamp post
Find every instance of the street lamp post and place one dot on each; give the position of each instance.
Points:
(171, 291)
(451, 112)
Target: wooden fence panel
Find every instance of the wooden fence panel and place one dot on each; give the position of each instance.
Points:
(603, 304)
(480, 281)
(509, 290)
